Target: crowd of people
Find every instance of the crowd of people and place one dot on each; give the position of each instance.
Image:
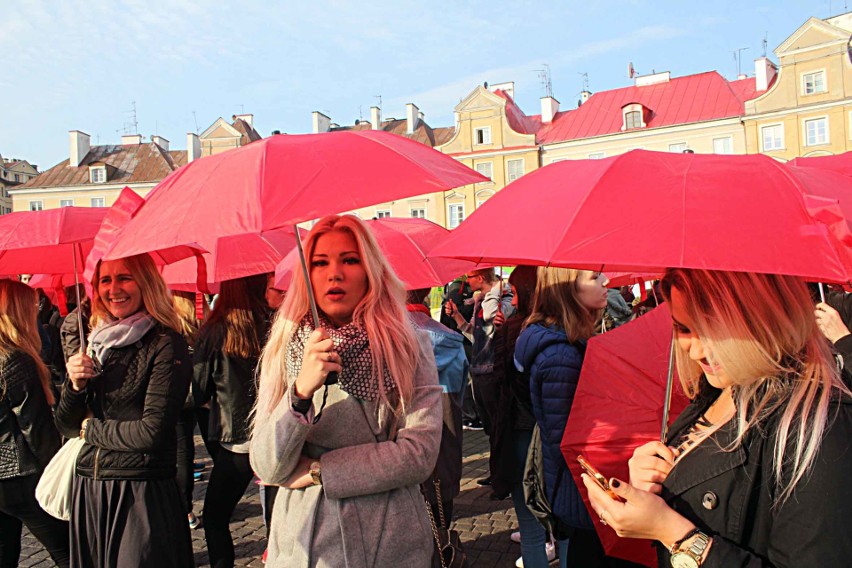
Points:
(352, 417)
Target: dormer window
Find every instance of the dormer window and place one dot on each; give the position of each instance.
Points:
(97, 174)
(634, 116)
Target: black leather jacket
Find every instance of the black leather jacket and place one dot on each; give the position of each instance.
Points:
(28, 438)
(229, 385)
(136, 402)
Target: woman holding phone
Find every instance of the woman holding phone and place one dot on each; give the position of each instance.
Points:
(349, 455)
(755, 471)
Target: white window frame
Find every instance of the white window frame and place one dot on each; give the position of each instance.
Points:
(413, 212)
(18, 178)
(517, 164)
(597, 156)
(482, 196)
(454, 221)
(728, 140)
(486, 169)
(383, 213)
(98, 174)
(763, 128)
(678, 147)
(805, 122)
(814, 75)
(37, 205)
(66, 203)
(631, 108)
(485, 138)
(94, 199)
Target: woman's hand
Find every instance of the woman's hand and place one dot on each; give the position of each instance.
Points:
(830, 323)
(641, 515)
(301, 476)
(80, 369)
(318, 360)
(499, 319)
(650, 465)
(450, 308)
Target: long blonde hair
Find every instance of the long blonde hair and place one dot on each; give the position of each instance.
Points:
(156, 297)
(761, 329)
(19, 329)
(187, 314)
(555, 303)
(381, 313)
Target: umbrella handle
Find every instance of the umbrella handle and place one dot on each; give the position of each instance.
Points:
(664, 430)
(331, 378)
(79, 303)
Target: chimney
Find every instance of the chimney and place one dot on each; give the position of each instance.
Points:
(161, 142)
(653, 79)
(412, 117)
(549, 108)
(247, 118)
(376, 117)
(584, 96)
(764, 72)
(193, 147)
(322, 123)
(79, 147)
(131, 139)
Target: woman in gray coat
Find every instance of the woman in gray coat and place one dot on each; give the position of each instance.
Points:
(349, 455)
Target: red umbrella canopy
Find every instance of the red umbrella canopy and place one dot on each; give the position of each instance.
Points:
(645, 211)
(618, 407)
(283, 180)
(45, 241)
(405, 242)
(841, 163)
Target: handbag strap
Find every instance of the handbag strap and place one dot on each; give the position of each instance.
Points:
(432, 520)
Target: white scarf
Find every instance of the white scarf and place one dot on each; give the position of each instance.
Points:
(119, 333)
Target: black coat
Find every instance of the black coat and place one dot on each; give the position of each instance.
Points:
(229, 385)
(136, 401)
(28, 438)
(730, 495)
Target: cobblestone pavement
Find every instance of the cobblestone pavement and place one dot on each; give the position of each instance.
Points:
(484, 525)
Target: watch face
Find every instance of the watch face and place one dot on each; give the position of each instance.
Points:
(683, 560)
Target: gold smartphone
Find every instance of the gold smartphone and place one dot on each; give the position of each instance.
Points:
(598, 478)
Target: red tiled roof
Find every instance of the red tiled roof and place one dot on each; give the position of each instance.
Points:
(518, 121)
(423, 133)
(444, 134)
(133, 163)
(682, 100)
(249, 134)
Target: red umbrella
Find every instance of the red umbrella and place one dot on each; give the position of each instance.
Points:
(283, 180)
(406, 243)
(841, 163)
(53, 241)
(646, 211)
(619, 406)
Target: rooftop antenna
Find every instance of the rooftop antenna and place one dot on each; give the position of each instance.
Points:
(379, 98)
(738, 58)
(195, 118)
(544, 77)
(585, 77)
(360, 113)
(242, 109)
(765, 42)
(131, 127)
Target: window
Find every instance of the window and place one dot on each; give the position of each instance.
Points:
(816, 131)
(813, 83)
(483, 196)
(383, 213)
(482, 135)
(418, 213)
(36, 205)
(485, 169)
(456, 214)
(773, 137)
(98, 175)
(17, 177)
(98, 202)
(632, 119)
(515, 169)
(677, 148)
(723, 145)
(597, 155)
(66, 202)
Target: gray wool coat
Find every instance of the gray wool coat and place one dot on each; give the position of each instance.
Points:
(368, 512)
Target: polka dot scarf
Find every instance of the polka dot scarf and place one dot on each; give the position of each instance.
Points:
(353, 346)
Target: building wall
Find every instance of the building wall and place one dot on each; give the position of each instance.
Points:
(816, 47)
(81, 196)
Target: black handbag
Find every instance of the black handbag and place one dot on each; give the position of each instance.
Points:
(535, 494)
(449, 552)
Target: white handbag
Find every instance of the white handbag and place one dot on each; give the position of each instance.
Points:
(53, 491)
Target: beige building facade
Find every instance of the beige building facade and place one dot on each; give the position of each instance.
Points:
(808, 111)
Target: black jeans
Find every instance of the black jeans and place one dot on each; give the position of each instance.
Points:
(18, 507)
(186, 456)
(228, 481)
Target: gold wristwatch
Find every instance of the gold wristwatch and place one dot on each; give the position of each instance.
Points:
(316, 473)
(691, 557)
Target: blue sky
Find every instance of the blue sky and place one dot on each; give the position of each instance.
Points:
(78, 65)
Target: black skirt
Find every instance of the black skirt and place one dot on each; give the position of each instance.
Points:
(128, 524)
